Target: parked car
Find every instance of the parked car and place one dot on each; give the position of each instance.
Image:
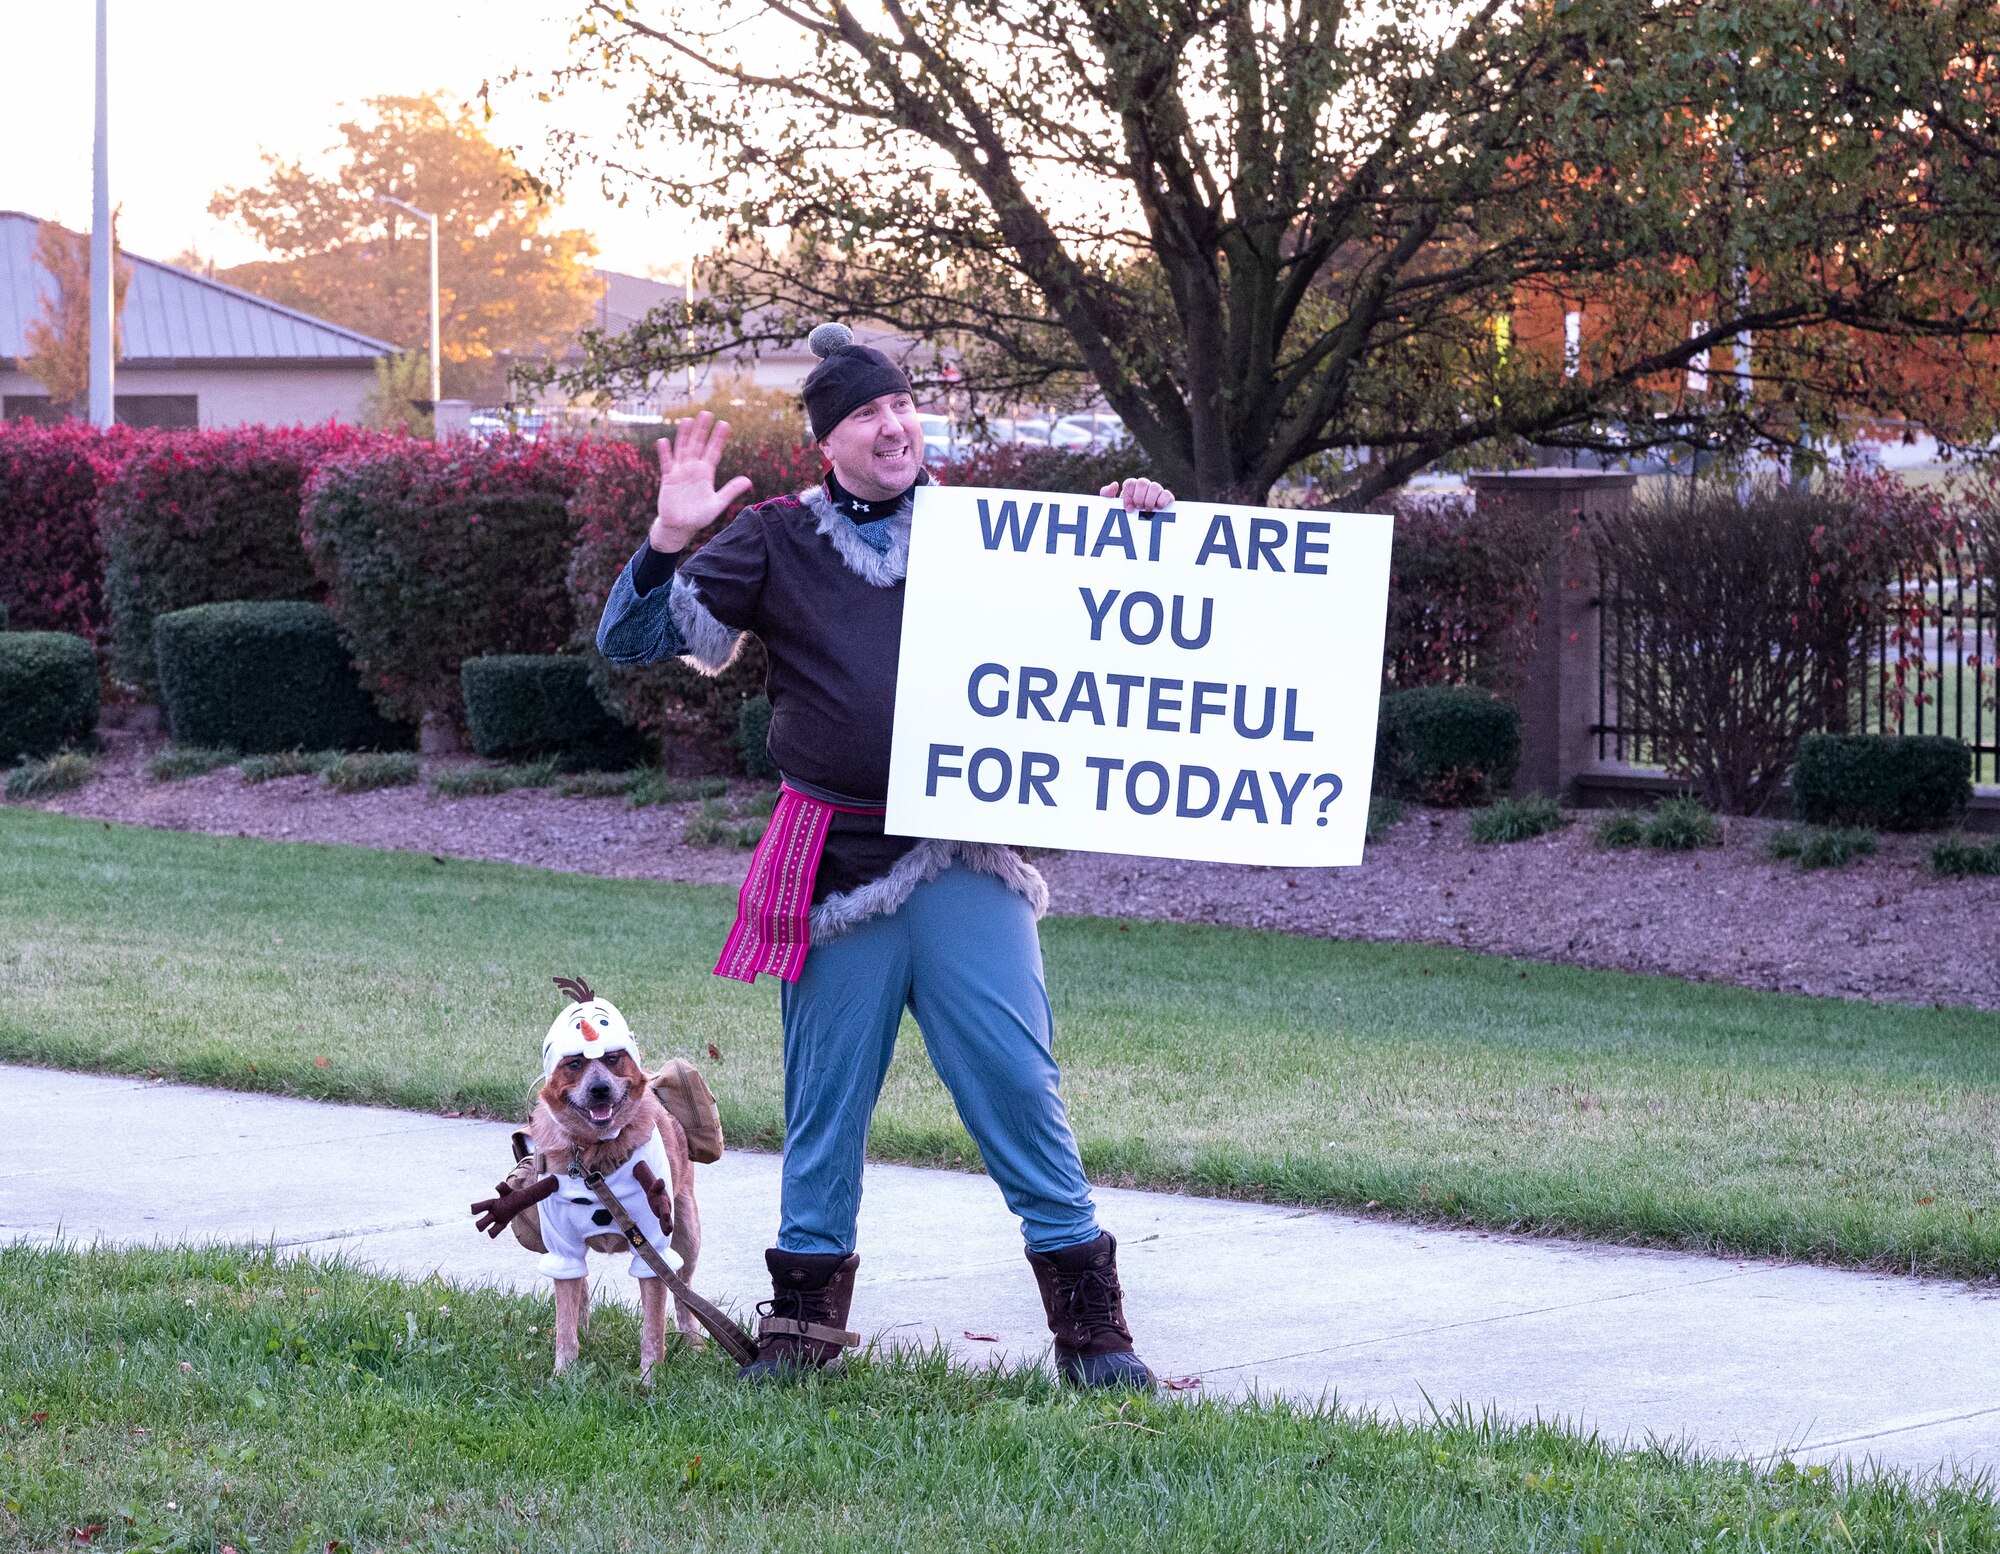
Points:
(942, 443)
(1090, 432)
(489, 424)
(1002, 431)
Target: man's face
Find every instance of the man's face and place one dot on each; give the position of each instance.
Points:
(878, 449)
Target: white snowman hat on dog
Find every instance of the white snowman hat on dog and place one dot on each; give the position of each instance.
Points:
(589, 1027)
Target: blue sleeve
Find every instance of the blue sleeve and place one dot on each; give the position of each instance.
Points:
(638, 628)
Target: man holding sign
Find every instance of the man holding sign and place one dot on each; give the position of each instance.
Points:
(860, 923)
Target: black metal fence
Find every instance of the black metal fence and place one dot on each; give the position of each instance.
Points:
(1933, 672)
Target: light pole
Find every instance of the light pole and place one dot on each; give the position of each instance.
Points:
(103, 283)
(437, 381)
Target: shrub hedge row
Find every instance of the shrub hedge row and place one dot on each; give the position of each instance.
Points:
(51, 567)
(433, 558)
(432, 555)
(205, 518)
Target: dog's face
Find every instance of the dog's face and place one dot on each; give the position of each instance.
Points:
(596, 1096)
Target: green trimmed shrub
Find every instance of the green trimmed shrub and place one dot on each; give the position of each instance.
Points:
(1900, 782)
(359, 773)
(264, 675)
(752, 738)
(534, 704)
(1518, 820)
(1447, 744)
(48, 693)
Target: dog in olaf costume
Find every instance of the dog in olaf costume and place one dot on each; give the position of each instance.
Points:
(607, 1165)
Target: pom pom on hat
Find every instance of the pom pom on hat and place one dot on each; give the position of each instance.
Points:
(847, 377)
(828, 338)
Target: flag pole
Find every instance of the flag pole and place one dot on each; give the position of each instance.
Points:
(103, 290)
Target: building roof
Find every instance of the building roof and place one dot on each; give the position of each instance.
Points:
(173, 315)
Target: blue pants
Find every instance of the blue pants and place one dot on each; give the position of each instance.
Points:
(963, 956)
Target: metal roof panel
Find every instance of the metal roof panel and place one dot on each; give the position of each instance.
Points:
(174, 315)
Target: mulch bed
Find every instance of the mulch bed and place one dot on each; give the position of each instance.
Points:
(1881, 928)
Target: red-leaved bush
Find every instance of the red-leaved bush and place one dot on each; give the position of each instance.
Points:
(204, 517)
(613, 507)
(1462, 585)
(431, 555)
(51, 570)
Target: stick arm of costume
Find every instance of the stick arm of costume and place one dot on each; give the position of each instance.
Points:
(495, 1214)
(657, 1194)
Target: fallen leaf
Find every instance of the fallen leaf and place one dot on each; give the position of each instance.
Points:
(1927, 1199)
(319, 1062)
(39, 1418)
(714, 1052)
(982, 1338)
(85, 1534)
(1181, 1383)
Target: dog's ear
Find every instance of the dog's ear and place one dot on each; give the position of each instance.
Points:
(575, 988)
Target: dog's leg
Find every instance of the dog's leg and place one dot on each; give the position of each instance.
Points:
(572, 1308)
(686, 1242)
(652, 1325)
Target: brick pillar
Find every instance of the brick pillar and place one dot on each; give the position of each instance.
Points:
(1558, 695)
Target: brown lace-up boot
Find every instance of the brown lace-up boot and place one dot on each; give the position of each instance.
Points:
(805, 1320)
(1087, 1315)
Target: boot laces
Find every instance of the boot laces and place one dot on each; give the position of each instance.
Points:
(798, 1306)
(1090, 1299)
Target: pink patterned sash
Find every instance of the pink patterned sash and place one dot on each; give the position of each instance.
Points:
(771, 932)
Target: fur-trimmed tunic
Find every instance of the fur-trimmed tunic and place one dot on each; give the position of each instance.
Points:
(828, 607)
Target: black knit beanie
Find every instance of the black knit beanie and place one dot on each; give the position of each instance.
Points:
(847, 377)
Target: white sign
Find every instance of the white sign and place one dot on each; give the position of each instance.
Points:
(1196, 683)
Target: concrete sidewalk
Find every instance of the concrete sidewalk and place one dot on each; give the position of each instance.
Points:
(1746, 1358)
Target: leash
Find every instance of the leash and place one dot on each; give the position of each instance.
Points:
(741, 1346)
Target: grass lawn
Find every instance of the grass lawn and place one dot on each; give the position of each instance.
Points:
(1430, 1082)
(202, 1400)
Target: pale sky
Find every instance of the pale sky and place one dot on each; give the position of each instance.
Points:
(200, 88)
